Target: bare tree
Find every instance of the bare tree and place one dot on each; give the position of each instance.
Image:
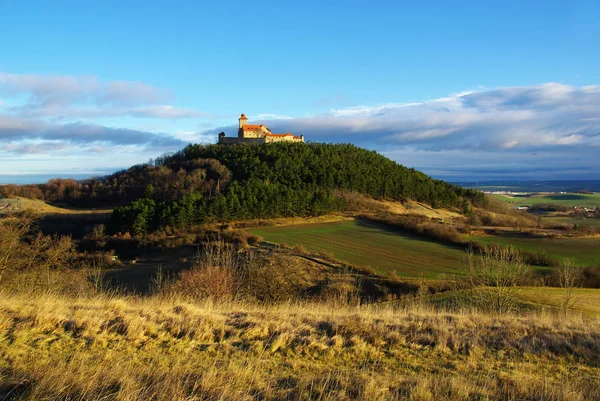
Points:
(568, 277)
(495, 276)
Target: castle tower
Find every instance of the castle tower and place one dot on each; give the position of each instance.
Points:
(243, 119)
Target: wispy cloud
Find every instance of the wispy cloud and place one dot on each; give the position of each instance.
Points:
(13, 131)
(60, 117)
(71, 97)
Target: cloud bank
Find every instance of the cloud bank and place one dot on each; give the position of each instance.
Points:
(538, 132)
(68, 97)
(546, 131)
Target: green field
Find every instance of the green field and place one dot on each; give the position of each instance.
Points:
(567, 199)
(366, 243)
(571, 221)
(584, 251)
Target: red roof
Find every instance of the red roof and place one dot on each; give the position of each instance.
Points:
(243, 117)
(251, 127)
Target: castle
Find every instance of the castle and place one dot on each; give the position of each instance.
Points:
(257, 134)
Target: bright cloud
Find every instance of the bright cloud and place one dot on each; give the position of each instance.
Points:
(558, 123)
(546, 131)
(88, 97)
(63, 119)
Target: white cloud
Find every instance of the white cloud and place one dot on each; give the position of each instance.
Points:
(70, 97)
(562, 121)
(64, 89)
(56, 116)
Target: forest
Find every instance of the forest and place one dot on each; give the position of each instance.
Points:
(224, 183)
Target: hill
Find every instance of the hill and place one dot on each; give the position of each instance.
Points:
(226, 183)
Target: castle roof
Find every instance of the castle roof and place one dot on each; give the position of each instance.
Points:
(251, 127)
(243, 117)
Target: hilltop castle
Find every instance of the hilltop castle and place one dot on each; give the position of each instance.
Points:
(256, 134)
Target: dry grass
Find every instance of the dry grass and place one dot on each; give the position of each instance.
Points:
(168, 349)
(44, 208)
(417, 208)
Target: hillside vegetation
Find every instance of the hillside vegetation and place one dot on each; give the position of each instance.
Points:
(280, 180)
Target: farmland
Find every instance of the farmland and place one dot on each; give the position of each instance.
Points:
(570, 221)
(366, 243)
(565, 199)
(584, 251)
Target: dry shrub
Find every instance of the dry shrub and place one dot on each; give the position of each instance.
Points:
(212, 282)
(67, 282)
(35, 263)
(357, 202)
(221, 272)
(342, 290)
(241, 238)
(590, 277)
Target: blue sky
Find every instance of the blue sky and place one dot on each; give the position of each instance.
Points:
(459, 90)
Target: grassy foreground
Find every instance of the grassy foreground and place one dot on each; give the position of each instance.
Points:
(165, 349)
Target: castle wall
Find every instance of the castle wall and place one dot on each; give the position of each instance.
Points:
(253, 133)
(281, 139)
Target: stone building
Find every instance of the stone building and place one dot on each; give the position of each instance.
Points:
(257, 134)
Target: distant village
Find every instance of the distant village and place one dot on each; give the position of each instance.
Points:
(582, 211)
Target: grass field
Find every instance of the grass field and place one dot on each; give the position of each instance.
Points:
(365, 243)
(571, 221)
(584, 251)
(584, 299)
(567, 199)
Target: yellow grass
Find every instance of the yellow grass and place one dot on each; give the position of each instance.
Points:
(168, 349)
(40, 207)
(409, 207)
(583, 299)
(412, 207)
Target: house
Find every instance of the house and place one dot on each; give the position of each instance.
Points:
(257, 134)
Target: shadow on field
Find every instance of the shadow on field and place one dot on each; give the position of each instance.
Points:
(569, 197)
(393, 231)
(140, 275)
(75, 225)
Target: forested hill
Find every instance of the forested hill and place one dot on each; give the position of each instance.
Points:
(327, 166)
(224, 183)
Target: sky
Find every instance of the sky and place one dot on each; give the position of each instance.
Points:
(462, 90)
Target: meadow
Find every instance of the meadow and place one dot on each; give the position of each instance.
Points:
(583, 251)
(584, 299)
(566, 199)
(365, 243)
(570, 221)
